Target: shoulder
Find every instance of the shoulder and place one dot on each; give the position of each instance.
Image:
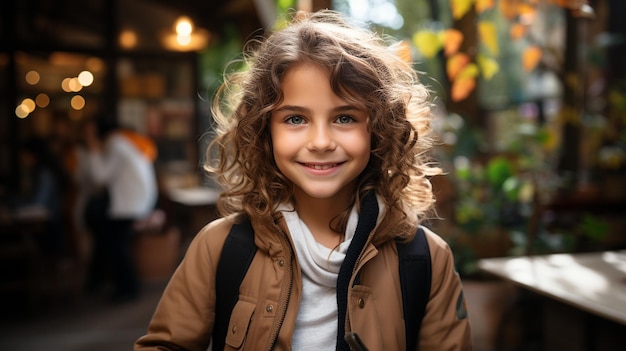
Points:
(440, 252)
(214, 231)
(209, 240)
(117, 139)
(438, 248)
(434, 240)
(116, 142)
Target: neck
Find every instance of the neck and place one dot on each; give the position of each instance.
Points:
(318, 214)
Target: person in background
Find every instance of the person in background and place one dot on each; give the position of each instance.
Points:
(323, 144)
(121, 163)
(42, 185)
(67, 145)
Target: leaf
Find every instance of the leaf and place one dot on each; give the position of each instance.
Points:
(498, 170)
(452, 39)
(427, 42)
(518, 30)
(455, 64)
(508, 9)
(488, 35)
(484, 5)
(469, 71)
(531, 57)
(462, 87)
(460, 7)
(464, 82)
(488, 66)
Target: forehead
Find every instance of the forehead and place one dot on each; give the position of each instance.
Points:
(309, 78)
(306, 69)
(308, 85)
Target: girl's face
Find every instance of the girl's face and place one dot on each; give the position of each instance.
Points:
(321, 142)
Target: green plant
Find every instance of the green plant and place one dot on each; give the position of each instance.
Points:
(500, 188)
(497, 182)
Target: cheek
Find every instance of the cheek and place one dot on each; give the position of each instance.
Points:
(282, 162)
(360, 143)
(281, 147)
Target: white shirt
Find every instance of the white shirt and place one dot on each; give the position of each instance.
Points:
(316, 322)
(129, 176)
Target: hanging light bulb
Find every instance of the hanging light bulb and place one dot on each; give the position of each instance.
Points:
(185, 37)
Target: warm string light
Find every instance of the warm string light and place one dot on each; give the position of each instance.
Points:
(128, 39)
(70, 85)
(184, 37)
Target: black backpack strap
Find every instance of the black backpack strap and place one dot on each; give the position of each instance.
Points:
(415, 278)
(237, 254)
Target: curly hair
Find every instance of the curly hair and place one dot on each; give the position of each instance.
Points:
(365, 69)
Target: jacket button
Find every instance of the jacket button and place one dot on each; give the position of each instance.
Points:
(360, 303)
(269, 308)
(281, 262)
(233, 330)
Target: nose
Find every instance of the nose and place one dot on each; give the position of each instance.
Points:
(321, 138)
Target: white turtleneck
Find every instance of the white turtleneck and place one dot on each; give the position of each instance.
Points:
(316, 323)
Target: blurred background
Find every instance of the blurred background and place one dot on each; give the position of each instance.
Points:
(530, 106)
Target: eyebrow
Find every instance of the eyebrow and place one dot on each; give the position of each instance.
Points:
(296, 108)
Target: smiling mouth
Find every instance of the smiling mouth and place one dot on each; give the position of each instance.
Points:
(320, 167)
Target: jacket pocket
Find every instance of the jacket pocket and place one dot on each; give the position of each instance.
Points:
(238, 325)
(365, 318)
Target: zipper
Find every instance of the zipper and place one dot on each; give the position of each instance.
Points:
(282, 311)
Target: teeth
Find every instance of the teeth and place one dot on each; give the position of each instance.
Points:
(321, 167)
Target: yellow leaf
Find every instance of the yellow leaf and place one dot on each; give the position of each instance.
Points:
(460, 7)
(469, 71)
(462, 87)
(488, 34)
(427, 42)
(531, 57)
(452, 39)
(488, 66)
(455, 64)
(484, 5)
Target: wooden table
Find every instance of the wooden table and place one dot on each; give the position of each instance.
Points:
(593, 285)
(593, 282)
(196, 196)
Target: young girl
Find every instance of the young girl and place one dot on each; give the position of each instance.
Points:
(322, 143)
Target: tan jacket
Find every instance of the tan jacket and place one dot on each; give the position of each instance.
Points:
(265, 315)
